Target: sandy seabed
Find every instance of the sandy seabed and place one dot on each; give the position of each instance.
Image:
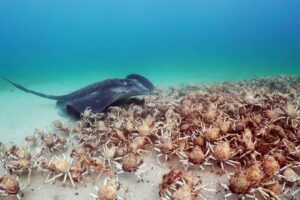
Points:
(259, 119)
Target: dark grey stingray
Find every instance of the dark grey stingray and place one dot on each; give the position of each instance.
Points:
(98, 96)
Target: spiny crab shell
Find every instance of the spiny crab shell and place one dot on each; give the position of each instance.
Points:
(61, 165)
(23, 154)
(131, 163)
(270, 165)
(239, 184)
(290, 175)
(212, 134)
(183, 193)
(9, 185)
(173, 176)
(196, 155)
(222, 151)
(108, 191)
(166, 145)
(254, 173)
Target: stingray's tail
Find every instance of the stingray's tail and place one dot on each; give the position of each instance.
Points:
(33, 92)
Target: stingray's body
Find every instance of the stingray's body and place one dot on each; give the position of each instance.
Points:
(98, 96)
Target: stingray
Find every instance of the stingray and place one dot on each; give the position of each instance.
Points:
(98, 96)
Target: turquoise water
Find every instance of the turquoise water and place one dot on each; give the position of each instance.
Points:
(58, 46)
(169, 41)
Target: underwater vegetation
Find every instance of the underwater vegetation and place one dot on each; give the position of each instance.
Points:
(247, 130)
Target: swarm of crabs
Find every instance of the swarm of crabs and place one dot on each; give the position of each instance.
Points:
(248, 130)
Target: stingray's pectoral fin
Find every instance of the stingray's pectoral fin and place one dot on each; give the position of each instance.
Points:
(95, 102)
